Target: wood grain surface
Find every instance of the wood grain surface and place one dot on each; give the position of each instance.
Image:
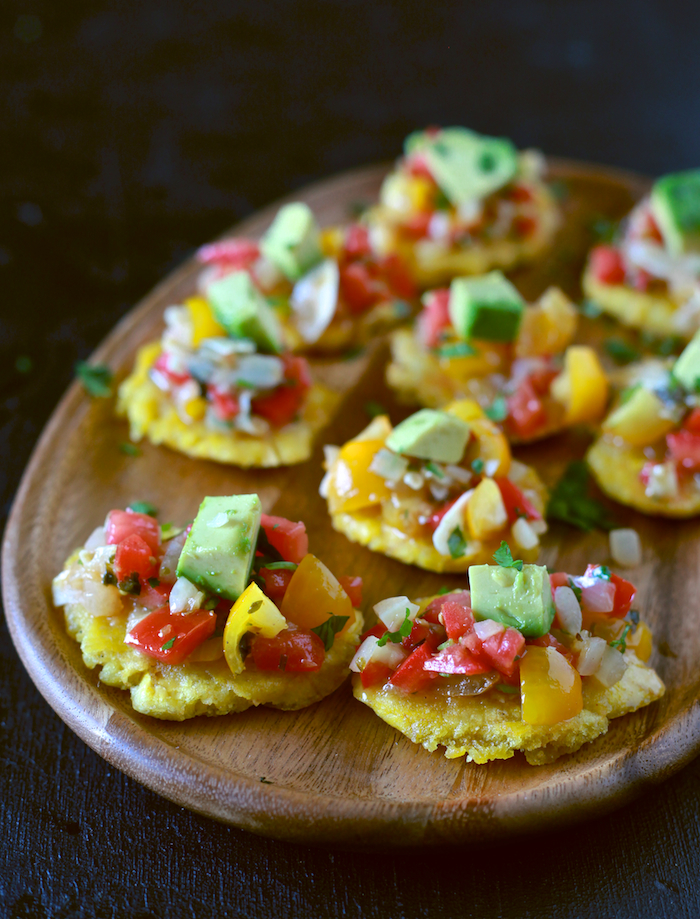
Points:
(334, 771)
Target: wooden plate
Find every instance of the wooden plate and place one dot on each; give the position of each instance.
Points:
(335, 772)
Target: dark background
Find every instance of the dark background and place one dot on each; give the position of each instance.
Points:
(129, 134)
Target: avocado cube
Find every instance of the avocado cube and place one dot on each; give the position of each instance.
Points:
(687, 368)
(486, 307)
(520, 599)
(467, 166)
(243, 311)
(675, 203)
(292, 243)
(219, 551)
(431, 435)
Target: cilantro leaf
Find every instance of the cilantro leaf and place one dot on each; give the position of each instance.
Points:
(498, 410)
(621, 642)
(154, 582)
(602, 572)
(571, 503)
(435, 469)
(477, 466)
(458, 349)
(443, 590)
(275, 566)
(504, 557)
(578, 593)
(95, 378)
(143, 507)
(456, 543)
(168, 644)
(403, 631)
(329, 629)
(620, 351)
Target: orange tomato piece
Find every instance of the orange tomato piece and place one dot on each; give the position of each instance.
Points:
(353, 486)
(550, 688)
(488, 444)
(314, 594)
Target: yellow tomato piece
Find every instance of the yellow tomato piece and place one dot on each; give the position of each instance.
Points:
(548, 326)
(466, 409)
(313, 594)
(252, 612)
(489, 444)
(420, 192)
(550, 688)
(203, 323)
(379, 428)
(331, 241)
(196, 408)
(488, 359)
(582, 386)
(641, 420)
(486, 513)
(352, 485)
(640, 640)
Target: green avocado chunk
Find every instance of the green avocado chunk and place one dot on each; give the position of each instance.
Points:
(243, 311)
(466, 165)
(431, 435)
(521, 599)
(292, 243)
(675, 203)
(486, 307)
(687, 368)
(219, 551)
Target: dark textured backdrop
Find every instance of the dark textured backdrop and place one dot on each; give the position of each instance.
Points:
(131, 132)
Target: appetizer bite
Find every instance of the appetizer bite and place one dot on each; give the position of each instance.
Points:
(328, 289)
(460, 203)
(519, 662)
(648, 454)
(230, 612)
(220, 386)
(649, 277)
(479, 338)
(439, 490)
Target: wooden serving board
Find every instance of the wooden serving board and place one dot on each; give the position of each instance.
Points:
(335, 772)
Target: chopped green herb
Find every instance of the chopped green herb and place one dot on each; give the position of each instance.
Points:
(130, 585)
(245, 384)
(373, 409)
(24, 364)
(143, 507)
(441, 202)
(504, 687)
(444, 590)
(578, 593)
(329, 629)
(590, 309)
(129, 449)
(504, 557)
(96, 379)
(435, 469)
(477, 466)
(456, 543)
(154, 582)
(621, 642)
(276, 566)
(620, 351)
(458, 349)
(168, 644)
(402, 632)
(109, 577)
(602, 572)
(571, 503)
(498, 410)
(445, 644)
(628, 392)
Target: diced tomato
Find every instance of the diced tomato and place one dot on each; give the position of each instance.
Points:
(352, 585)
(155, 597)
(411, 674)
(642, 279)
(624, 595)
(434, 317)
(134, 556)
(225, 404)
(519, 193)
(526, 413)
(417, 165)
(524, 226)
(357, 287)
(276, 581)
(427, 633)
(434, 519)
(121, 524)
(559, 579)
(542, 379)
(162, 366)
(417, 225)
(649, 228)
(457, 615)
(549, 641)
(692, 422)
(377, 630)
(502, 650)
(289, 538)
(374, 673)
(516, 504)
(231, 253)
(607, 265)
(432, 611)
(282, 405)
(294, 650)
(457, 659)
(684, 447)
(171, 637)
(356, 241)
(396, 274)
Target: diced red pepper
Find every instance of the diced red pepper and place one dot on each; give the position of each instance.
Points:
(352, 585)
(171, 637)
(434, 317)
(289, 538)
(432, 611)
(526, 413)
(607, 265)
(225, 404)
(411, 674)
(424, 632)
(624, 595)
(356, 244)
(121, 524)
(516, 504)
(294, 650)
(684, 447)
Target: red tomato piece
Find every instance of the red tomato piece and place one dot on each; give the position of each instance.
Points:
(434, 519)
(524, 226)
(276, 582)
(692, 422)
(155, 597)
(225, 404)
(457, 659)
(417, 165)
(377, 630)
(162, 366)
(515, 502)
(434, 317)
(171, 637)
(642, 279)
(559, 579)
(375, 673)
(417, 225)
(356, 243)
(526, 413)
(357, 287)
(396, 274)
(519, 193)
(282, 404)
(428, 633)
(432, 611)
(625, 593)
(607, 265)
(457, 615)
(294, 650)
(542, 380)
(411, 674)
(549, 641)
(135, 556)
(352, 585)
(684, 447)
(121, 524)
(290, 539)
(503, 649)
(230, 253)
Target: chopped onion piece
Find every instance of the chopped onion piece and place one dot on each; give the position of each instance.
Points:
(260, 371)
(568, 610)
(591, 655)
(612, 667)
(96, 539)
(389, 654)
(523, 534)
(459, 474)
(185, 597)
(626, 547)
(314, 300)
(392, 611)
(171, 556)
(597, 595)
(488, 627)
(452, 519)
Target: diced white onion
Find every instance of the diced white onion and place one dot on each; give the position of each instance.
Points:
(459, 474)
(523, 534)
(389, 465)
(612, 667)
(568, 610)
(97, 538)
(226, 347)
(392, 611)
(626, 547)
(663, 481)
(261, 371)
(538, 526)
(414, 480)
(314, 300)
(185, 597)
(369, 650)
(439, 226)
(591, 655)
(597, 594)
(453, 518)
(266, 273)
(486, 628)
(330, 455)
(171, 556)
